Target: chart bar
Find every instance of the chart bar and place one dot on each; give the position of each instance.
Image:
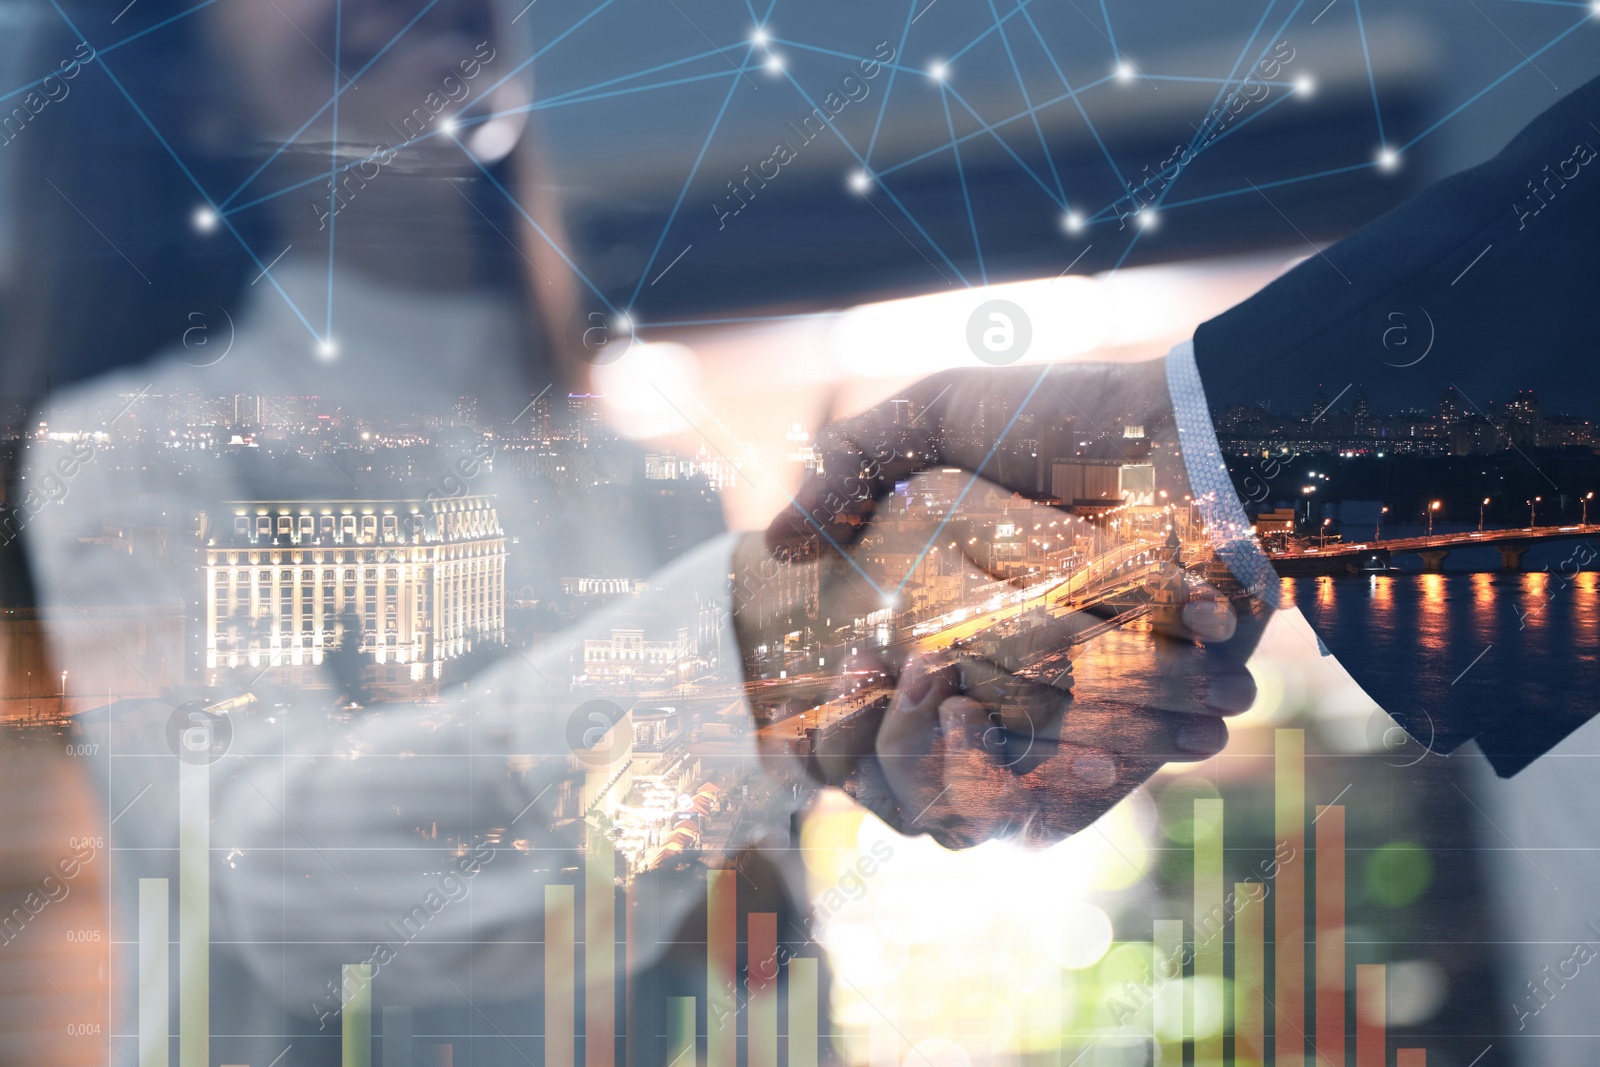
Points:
(1209, 922)
(560, 966)
(722, 969)
(396, 1037)
(803, 1015)
(1411, 1057)
(680, 1032)
(1289, 900)
(761, 977)
(632, 937)
(1330, 933)
(155, 974)
(1166, 1002)
(1249, 974)
(1371, 1015)
(355, 1015)
(194, 914)
(600, 951)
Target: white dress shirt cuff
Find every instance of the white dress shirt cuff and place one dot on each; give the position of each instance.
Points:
(1232, 536)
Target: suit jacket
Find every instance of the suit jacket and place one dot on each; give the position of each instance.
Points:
(1496, 266)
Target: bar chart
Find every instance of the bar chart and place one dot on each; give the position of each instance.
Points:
(744, 1015)
(1256, 973)
(1196, 949)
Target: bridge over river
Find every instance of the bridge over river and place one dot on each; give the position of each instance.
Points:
(1375, 556)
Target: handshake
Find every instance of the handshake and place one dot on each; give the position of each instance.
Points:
(1006, 598)
(999, 604)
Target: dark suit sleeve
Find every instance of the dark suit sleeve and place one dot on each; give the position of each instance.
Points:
(1495, 269)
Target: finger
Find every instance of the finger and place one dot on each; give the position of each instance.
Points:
(1231, 690)
(1201, 680)
(909, 742)
(1126, 731)
(1210, 619)
(1019, 710)
(912, 723)
(971, 800)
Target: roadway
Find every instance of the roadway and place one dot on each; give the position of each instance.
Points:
(1343, 556)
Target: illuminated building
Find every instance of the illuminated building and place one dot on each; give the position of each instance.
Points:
(423, 580)
(719, 472)
(626, 656)
(1086, 481)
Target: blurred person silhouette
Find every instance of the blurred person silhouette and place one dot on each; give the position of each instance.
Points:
(422, 241)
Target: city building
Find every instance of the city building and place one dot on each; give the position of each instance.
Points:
(719, 471)
(626, 655)
(1086, 480)
(422, 581)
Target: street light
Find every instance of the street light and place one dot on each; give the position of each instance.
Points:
(1433, 507)
(1586, 498)
(1480, 513)
(1322, 536)
(1378, 524)
(1533, 510)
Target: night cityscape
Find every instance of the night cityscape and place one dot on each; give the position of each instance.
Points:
(1084, 556)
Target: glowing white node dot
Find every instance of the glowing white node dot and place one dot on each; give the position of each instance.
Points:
(1073, 222)
(205, 220)
(1304, 86)
(860, 181)
(1124, 72)
(938, 72)
(327, 349)
(1388, 159)
(759, 37)
(775, 64)
(1147, 219)
(449, 126)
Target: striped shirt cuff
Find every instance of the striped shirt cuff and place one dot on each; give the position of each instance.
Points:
(1232, 536)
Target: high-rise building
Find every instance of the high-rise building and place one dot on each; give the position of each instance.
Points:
(1364, 423)
(539, 419)
(1450, 407)
(415, 583)
(1522, 418)
(1319, 405)
(994, 415)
